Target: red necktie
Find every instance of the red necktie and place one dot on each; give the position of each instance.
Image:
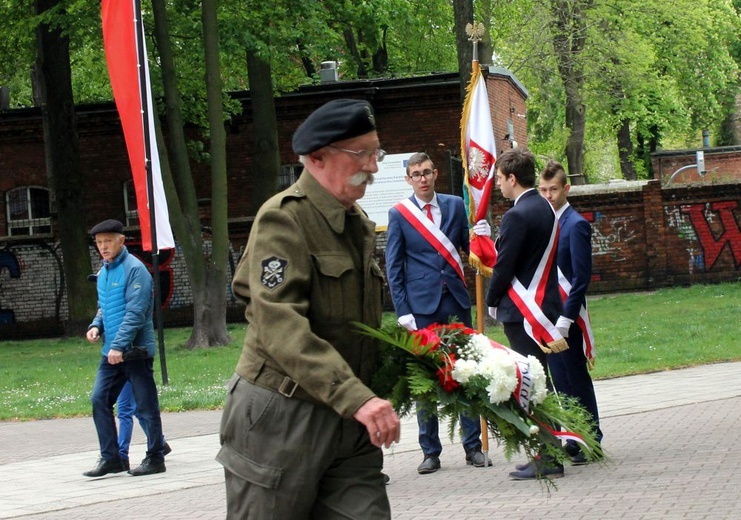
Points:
(428, 208)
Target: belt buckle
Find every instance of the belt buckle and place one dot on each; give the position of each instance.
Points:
(287, 387)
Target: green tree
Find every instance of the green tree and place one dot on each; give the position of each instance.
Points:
(53, 85)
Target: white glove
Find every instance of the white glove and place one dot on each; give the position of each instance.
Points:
(563, 325)
(493, 312)
(408, 322)
(482, 228)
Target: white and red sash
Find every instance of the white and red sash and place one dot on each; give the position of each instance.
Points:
(529, 300)
(432, 235)
(582, 320)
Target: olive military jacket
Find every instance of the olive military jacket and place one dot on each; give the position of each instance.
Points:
(306, 275)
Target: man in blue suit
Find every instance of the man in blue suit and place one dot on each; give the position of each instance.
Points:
(569, 369)
(426, 234)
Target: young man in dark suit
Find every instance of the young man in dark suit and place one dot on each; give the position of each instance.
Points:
(526, 249)
(570, 369)
(426, 232)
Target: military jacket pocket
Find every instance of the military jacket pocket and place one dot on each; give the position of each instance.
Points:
(336, 296)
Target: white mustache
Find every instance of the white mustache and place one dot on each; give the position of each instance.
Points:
(362, 178)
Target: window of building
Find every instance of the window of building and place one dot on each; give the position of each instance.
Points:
(289, 173)
(132, 214)
(28, 211)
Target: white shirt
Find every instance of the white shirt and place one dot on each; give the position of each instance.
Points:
(437, 216)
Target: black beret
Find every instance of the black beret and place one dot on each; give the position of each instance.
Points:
(108, 226)
(337, 120)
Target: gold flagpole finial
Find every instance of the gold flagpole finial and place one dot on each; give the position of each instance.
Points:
(475, 32)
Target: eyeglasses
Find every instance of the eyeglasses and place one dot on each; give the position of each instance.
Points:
(363, 155)
(416, 176)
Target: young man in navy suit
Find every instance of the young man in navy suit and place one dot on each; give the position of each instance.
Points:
(526, 249)
(426, 233)
(570, 369)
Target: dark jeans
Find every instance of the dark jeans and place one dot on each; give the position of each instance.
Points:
(109, 382)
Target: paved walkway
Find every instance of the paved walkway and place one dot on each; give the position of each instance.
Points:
(674, 439)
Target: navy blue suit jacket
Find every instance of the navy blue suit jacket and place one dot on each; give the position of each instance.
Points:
(523, 238)
(575, 258)
(416, 271)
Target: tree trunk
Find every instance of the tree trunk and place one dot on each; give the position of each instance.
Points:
(178, 182)
(463, 15)
(625, 151)
(569, 38)
(214, 317)
(54, 84)
(352, 46)
(266, 155)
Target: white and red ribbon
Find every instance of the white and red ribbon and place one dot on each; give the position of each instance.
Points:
(432, 235)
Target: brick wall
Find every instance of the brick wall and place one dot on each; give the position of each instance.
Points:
(644, 236)
(721, 164)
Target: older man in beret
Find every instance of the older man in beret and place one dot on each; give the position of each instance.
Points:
(301, 432)
(124, 321)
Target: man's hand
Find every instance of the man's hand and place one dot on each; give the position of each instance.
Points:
(115, 357)
(93, 334)
(563, 325)
(482, 228)
(493, 312)
(381, 421)
(408, 322)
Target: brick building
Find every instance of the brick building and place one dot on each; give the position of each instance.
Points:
(644, 236)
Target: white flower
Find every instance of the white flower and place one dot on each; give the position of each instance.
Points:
(540, 391)
(534, 429)
(479, 345)
(499, 369)
(464, 370)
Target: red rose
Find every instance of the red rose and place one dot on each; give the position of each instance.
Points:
(445, 374)
(426, 338)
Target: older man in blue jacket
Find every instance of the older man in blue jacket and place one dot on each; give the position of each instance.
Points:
(124, 321)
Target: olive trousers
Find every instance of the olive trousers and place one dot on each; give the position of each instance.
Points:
(288, 458)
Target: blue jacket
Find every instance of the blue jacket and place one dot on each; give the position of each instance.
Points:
(416, 271)
(575, 259)
(125, 305)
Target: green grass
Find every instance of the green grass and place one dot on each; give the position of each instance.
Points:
(634, 333)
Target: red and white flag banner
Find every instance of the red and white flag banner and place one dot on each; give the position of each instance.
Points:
(121, 19)
(478, 153)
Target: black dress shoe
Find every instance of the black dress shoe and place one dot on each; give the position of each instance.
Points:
(430, 465)
(166, 450)
(476, 459)
(148, 467)
(579, 459)
(104, 467)
(386, 478)
(125, 464)
(538, 469)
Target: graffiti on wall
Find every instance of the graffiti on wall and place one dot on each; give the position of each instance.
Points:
(708, 228)
(610, 237)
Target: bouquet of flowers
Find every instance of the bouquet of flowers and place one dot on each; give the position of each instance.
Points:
(452, 369)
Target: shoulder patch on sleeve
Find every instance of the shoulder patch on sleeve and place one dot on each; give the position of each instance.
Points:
(273, 272)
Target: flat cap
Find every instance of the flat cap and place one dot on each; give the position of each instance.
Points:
(334, 121)
(108, 226)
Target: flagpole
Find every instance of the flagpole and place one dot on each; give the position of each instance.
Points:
(475, 32)
(139, 31)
